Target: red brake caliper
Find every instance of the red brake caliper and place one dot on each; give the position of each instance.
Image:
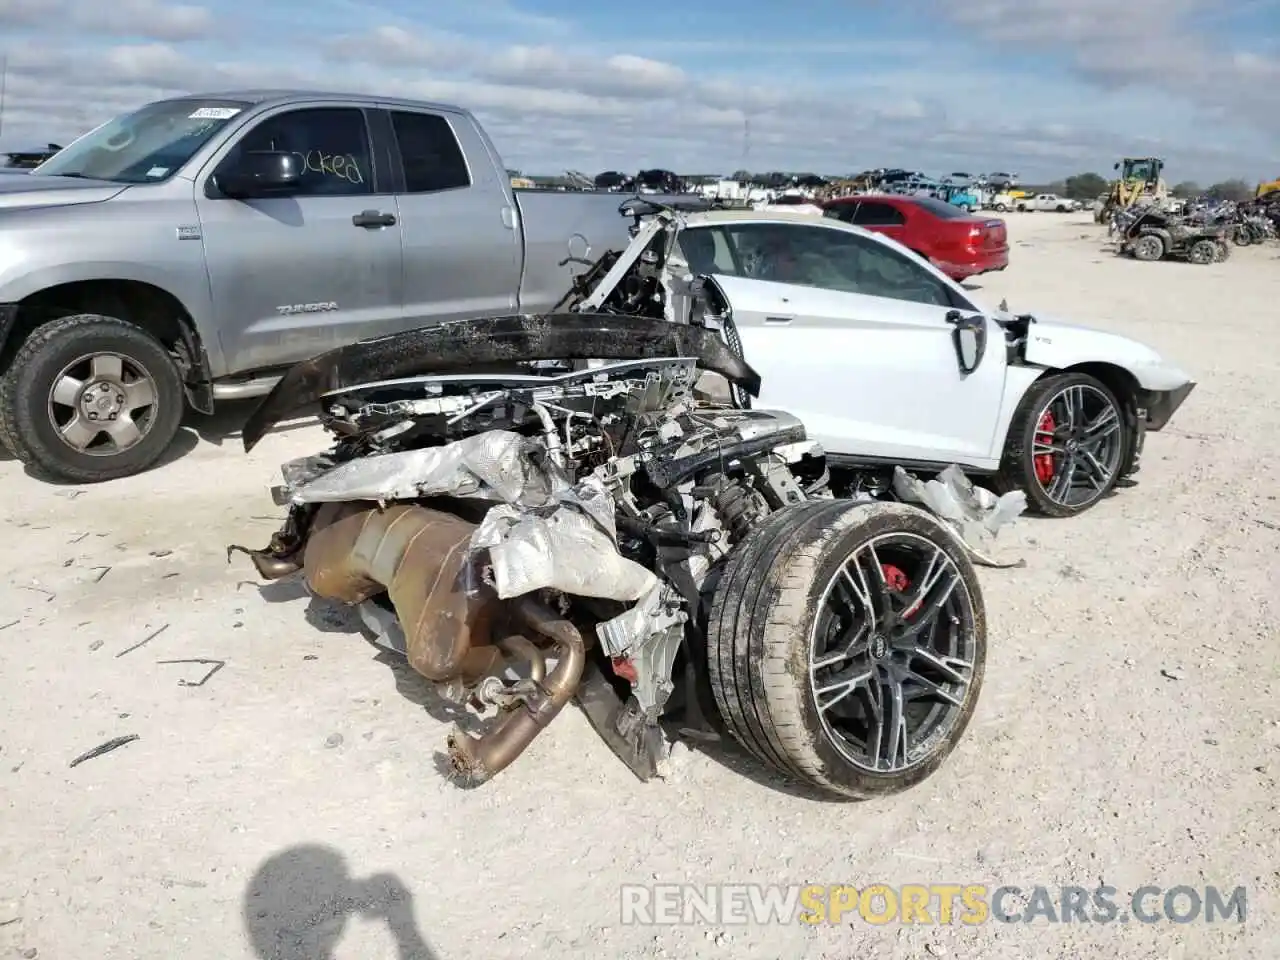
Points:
(1044, 461)
(898, 582)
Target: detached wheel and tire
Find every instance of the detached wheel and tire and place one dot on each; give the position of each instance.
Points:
(846, 645)
(1147, 248)
(1066, 445)
(90, 398)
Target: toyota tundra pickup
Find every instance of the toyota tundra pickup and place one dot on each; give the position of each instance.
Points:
(187, 252)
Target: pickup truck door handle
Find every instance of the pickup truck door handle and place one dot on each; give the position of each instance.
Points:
(374, 218)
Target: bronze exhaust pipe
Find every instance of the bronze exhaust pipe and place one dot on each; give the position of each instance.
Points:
(524, 648)
(477, 760)
(418, 556)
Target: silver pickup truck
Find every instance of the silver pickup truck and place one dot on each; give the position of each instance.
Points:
(187, 252)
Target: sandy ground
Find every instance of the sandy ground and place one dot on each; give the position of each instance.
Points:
(1127, 732)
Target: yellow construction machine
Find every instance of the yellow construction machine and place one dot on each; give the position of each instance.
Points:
(1139, 178)
(1266, 189)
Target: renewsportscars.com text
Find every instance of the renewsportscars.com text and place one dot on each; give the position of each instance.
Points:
(932, 903)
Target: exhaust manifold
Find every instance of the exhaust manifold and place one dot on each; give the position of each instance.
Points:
(420, 558)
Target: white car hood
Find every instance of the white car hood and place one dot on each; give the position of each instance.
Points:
(1052, 342)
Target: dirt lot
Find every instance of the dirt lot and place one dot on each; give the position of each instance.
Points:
(292, 805)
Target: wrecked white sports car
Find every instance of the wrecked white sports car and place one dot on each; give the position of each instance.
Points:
(488, 505)
(887, 361)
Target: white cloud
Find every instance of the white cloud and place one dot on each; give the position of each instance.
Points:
(557, 101)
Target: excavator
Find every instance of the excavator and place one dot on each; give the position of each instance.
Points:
(1139, 178)
(1271, 188)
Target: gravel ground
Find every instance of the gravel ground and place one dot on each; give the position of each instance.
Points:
(293, 805)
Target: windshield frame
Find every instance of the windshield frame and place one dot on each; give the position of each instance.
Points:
(74, 160)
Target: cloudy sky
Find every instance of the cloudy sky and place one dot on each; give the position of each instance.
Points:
(1040, 87)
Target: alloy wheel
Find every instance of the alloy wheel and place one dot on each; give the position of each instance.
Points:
(892, 653)
(1078, 446)
(102, 404)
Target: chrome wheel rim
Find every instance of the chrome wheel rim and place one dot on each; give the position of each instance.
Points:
(892, 653)
(102, 404)
(1079, 434)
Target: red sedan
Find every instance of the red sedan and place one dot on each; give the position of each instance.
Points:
(957, 243)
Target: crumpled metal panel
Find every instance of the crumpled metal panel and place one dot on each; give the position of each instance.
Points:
(572, 549)
(495, 465)
(469, 345)
(543, 532)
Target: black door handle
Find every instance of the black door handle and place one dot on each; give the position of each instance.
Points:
(960, 320)
(374, 218)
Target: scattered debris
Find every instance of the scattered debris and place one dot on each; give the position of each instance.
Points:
(333, 740)
(1170, 674)
(974, 514)
(103, 571)
(11, 623)
(1268, 524)
(35, 588)
(310, 656)
(95, 645)
(170, 882)
(113, 744)
(78, 539)
(214, 665)
(161, 553)
(144, 641)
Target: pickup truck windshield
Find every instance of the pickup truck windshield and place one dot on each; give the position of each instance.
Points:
(146, 146)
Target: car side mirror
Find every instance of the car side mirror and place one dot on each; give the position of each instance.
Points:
(969, 337)
(259, 173)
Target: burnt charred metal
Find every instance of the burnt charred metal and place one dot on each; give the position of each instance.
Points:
(503, 342)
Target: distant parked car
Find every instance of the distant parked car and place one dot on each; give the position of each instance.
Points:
(957, 243)
(1047, 202)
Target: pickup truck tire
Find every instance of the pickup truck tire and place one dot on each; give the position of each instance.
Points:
(1057, 462)
(77, 372)
(830, 611)
(1002, 208)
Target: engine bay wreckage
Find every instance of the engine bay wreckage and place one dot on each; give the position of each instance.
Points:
(538, 510)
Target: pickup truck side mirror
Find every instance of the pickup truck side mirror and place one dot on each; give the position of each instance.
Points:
(259, 173)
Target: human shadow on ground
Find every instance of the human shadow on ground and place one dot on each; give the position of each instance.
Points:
(297, 904)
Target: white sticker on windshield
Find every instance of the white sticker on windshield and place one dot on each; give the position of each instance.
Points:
(214, 113)
(157, 172)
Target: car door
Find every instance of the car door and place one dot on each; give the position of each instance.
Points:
(293, 276)
(462, 255)
(860, 341)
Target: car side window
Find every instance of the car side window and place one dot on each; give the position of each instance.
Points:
(430, 153)
(331, 144)
(832, 259)
(878, 215)
(706, 251)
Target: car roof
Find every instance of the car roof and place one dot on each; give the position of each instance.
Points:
(712, 217)
(287, 96)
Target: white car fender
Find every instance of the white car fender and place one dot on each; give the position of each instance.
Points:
(1054, 344)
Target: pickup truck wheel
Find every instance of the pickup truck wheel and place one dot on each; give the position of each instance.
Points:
(1066, 445)
(846, 645)
(90, 398)
(1001, 208)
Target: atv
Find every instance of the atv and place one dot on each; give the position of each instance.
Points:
(1153, 234)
